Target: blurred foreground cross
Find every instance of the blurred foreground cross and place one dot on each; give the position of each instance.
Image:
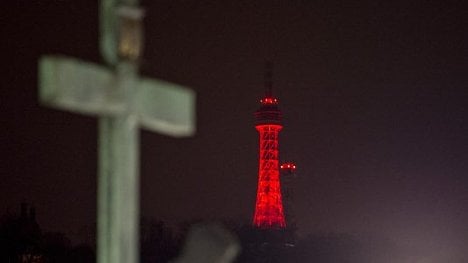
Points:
(122, 101)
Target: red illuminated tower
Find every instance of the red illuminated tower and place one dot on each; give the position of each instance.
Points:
(269, 206)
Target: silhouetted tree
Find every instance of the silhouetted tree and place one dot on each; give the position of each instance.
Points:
(82, 254)
(21, 240)
(20, 236)
(158, 242)
(265, 245)
(56, 247)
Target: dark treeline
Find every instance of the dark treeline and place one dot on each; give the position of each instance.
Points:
(274, 246)
(22, 240)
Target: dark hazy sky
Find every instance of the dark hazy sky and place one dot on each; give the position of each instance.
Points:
(374, 96)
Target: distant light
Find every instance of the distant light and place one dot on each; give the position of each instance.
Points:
(289, 166)
(269, 101)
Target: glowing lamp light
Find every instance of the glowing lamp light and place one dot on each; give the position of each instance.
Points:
(288, 166)
(269, 101)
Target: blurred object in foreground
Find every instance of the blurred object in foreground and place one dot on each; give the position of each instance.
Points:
(209, 243)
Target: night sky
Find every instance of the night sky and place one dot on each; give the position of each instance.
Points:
(374, 97)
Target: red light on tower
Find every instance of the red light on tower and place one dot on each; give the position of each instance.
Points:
(289, 167)
(269, 212)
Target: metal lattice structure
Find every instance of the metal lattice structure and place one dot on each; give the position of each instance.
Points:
(269, 212)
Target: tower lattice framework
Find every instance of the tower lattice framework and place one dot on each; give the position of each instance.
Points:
(269, 206)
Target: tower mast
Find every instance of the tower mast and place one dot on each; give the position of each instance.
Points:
(268, 79)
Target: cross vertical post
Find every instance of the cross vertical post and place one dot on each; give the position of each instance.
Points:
(118, 183)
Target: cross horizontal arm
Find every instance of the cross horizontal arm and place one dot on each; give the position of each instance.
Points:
(166, 107)
(78, 86)
(87, 88)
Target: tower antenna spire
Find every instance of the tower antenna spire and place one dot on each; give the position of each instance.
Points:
(268, 78)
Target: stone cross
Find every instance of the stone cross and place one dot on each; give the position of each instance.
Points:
(123, 101)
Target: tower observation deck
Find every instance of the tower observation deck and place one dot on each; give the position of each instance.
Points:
(269, 212)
